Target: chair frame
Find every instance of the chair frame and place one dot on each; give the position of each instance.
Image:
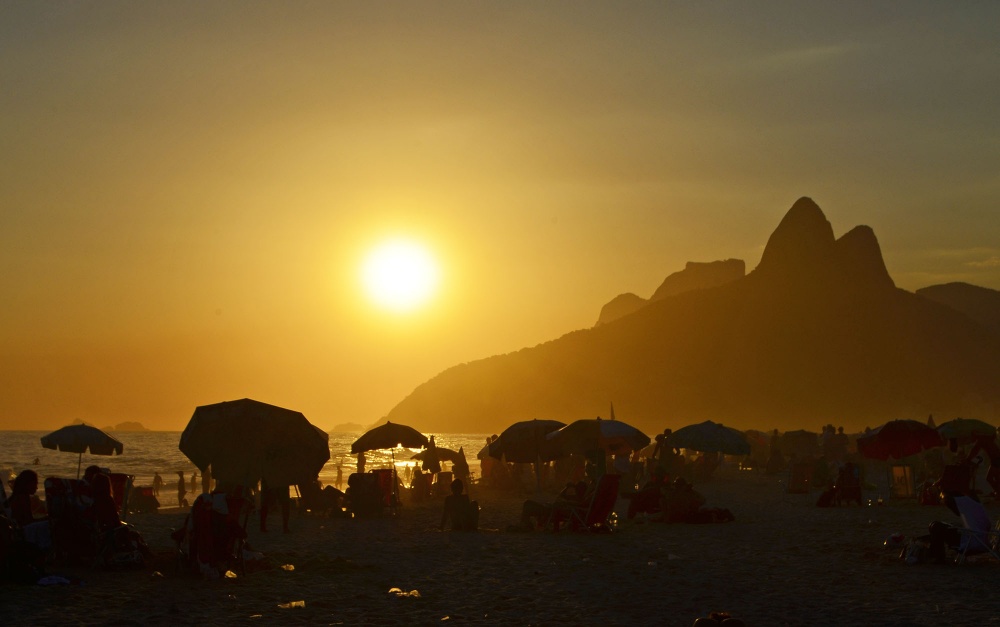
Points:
(594, 517)
(979, 543)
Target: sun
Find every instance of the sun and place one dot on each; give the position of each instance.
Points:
(400, 275)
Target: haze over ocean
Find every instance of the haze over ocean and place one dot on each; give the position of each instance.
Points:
(147, 452)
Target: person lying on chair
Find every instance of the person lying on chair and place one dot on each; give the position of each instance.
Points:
(975, 520)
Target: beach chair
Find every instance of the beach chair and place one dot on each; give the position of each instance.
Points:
(979, 543)
(388, 496)
(978, 536)
(142, 500)
(595, 516)
(121, 491)
(216, 537)
(72, 538)
(364, 497)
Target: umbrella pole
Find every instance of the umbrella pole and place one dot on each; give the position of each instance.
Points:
(395, 497)
(79, 462)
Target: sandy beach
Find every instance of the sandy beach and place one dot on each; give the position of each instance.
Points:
(784, 561)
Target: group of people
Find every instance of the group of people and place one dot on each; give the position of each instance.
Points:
(85, 524)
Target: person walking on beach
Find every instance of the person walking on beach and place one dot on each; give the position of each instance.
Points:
(157, 483)
(194, 482)
(181, 489)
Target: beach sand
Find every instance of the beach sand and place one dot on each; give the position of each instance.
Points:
(784, 561)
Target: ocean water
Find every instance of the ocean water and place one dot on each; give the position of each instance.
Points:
(148, 452)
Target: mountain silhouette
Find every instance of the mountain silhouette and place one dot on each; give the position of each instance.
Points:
(694, 276)
(817, 333)
(979, 303)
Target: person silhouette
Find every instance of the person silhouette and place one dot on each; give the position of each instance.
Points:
(181, 489)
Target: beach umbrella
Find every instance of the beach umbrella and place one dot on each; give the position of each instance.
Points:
(965, 430)
(80, 439)
(443, 454)
(898, 439)
(710, 437)
(247, 441)
(390, 435)
(524, 442)
(583, 436)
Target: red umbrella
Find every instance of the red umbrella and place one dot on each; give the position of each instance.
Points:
(898, 438)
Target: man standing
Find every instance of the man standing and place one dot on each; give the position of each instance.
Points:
(181, 489)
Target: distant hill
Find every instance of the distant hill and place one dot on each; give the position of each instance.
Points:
(979, 303)
(126, 426)
(694, 276)
(817, 333)
(122, 426)
(348, 427)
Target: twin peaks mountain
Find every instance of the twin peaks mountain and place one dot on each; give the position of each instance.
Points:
(818, 333)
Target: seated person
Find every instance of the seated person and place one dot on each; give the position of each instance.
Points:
(942, 535)
(21, 502)
(647, 500)
(680, 502)
(463, 513)
(104, 515)
(538, 515)
(319, 499)
(420, 487)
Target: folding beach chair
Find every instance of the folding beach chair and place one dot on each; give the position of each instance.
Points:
(217, 534)
(72, 538)
(978, 536)
(594, 517)
(121, 491)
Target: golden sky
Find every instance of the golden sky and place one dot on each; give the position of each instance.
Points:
(188, 189)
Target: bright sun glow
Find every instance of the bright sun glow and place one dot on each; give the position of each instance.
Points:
(400, 275)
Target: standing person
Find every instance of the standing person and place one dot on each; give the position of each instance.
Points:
(340, 474)
(361, 463)
(194, 482)
(268, 497)
(181, 489)
(206, 480)
(157, 483)
(431, 463)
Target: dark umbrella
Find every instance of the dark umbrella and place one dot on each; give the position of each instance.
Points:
(524, 442)
(584, 436)
(81, 438)
(710, 437)
(247, 441)
(443, 454)
(965, 430)
(389, 435)
(898, 439)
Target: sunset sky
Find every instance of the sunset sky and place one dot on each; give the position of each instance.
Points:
(189, 190)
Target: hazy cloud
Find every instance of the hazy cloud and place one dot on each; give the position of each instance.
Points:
(991, 262)
(801, 58)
